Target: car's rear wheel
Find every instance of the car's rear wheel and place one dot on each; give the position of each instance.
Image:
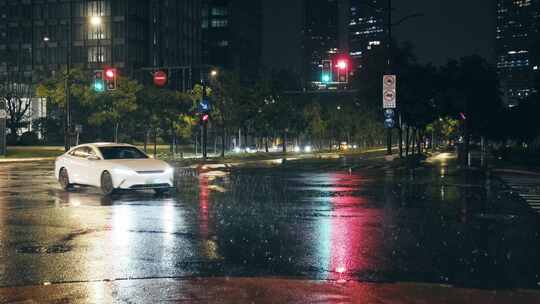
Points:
(63, 179)
(107, 186)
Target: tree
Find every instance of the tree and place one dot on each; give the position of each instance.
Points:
(470, 93)
(103, 111)
(17, 97)
(227, 96)
(316, 125)
(113, 107)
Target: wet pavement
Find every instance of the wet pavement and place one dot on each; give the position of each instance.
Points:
(353, 219)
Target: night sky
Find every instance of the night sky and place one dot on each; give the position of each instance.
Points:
(449, 29)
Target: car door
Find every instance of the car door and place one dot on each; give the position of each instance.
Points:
(82, 165)
(77, 165)
(92, 168)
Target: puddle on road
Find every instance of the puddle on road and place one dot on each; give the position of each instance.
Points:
(51, 249)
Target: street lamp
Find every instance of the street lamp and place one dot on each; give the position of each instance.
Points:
(46, 39)
(95, 20)
(214, 73)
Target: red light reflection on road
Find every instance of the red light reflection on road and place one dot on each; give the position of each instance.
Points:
(347, 237)
(204, 196)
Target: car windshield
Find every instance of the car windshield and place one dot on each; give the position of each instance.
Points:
(121, 153)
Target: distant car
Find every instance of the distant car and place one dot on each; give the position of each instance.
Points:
(111, 166)
(251, 149)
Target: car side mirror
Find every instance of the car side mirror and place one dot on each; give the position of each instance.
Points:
(93, 157)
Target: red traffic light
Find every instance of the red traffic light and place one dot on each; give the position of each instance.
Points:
(205, 117)
(110, 73)
(342, 64)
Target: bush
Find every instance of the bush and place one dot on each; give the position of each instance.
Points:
(12, 139)
(29, 139)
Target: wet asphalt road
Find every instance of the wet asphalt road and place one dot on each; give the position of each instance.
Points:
(346, 219)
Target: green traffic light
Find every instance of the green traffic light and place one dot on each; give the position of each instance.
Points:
(99, 86)
(326, 78)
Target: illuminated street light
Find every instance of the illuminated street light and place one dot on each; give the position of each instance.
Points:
(46, 39)
(214, 73)
(95, 20)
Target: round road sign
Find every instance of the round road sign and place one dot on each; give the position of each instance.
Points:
(160, 78)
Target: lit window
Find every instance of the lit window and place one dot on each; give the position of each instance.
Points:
(219, 11)
(219, 22)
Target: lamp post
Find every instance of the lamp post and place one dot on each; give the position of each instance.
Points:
(96, 21)
(67, 109)
(205, 114)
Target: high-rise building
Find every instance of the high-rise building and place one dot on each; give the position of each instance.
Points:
(38, 36)
(232, 35)
(321, 36)
(367, 26)
(516, 35)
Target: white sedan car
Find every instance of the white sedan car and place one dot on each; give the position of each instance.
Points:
(112, 166)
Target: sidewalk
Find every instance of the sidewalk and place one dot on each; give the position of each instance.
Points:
(256, 290)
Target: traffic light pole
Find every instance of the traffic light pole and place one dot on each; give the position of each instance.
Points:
(67, 109)
(204, 125)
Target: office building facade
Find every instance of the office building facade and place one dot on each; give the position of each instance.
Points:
(38, 37)
(367, 27)
(232, 35)
(517, 34)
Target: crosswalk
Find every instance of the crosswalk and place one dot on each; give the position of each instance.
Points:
(527, 187)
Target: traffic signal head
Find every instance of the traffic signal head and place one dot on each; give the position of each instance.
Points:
(110, 74)
(205, 117)
(99, 84)
(342, 64)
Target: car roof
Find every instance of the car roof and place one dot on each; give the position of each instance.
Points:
(104, 144)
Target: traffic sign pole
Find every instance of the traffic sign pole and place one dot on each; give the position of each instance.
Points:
(389, 106)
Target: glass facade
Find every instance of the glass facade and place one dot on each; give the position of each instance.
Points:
(39, 35)
(367, 26)
(516, 34)
(232, 31)
(321, 36)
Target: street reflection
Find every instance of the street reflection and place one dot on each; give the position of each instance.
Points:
(209, 247)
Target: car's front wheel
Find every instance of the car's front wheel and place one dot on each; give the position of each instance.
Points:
(107, 186)
(63, 179)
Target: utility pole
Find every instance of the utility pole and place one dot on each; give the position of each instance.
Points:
(390, 71)
(67, 109)
(204, 123)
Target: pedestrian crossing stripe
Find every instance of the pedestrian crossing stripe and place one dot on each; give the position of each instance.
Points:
(524, 184)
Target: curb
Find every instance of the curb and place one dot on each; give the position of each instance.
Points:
(25, 160)
(523, 172)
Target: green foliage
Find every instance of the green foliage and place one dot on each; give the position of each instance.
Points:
(112, 107)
